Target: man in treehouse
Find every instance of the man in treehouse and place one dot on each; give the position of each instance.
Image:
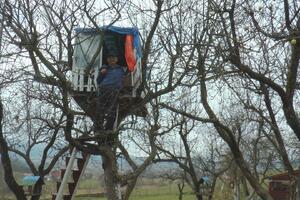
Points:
(110, 82)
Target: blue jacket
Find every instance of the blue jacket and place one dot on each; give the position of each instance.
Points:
(113, 78)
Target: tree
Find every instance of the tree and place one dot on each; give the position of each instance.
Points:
(42, 33)
(28, 112)
(13, 185)
(197, 157)
(269, 41)
(253, 50)
(215, 52)
(229, 54)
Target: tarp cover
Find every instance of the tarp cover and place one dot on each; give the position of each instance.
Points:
(29, 180)
(121, 30)
(86, 48)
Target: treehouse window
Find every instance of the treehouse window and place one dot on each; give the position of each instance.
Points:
(114, 43)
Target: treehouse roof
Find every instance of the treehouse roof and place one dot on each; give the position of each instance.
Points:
(120, 30)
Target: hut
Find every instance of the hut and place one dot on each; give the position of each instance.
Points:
(283, 186)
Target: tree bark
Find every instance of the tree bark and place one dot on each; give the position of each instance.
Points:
(245, 187)
(8, 172)
(212, 189)
(113, 186)
(199, 196)
(180, 189)
(38, 189)
(130, 186)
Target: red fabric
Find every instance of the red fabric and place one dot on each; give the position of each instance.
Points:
(129, 53)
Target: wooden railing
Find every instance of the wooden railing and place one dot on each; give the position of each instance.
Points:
(84, 82)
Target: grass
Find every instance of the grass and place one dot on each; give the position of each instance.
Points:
(146, 189)
(166, 191)
(151, 193)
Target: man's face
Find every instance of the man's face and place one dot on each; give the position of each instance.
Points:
(112, 60)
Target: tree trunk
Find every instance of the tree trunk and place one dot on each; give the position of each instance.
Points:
(180, 189)
(199, 195)
(298, 188)
(113, 189)
(8, 172)
(212, 189)
(130, 186)
(237, 194)
(245, 186)
(227, 135)
(37, 189)
(262, 192)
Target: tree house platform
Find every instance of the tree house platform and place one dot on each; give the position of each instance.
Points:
(128, 105)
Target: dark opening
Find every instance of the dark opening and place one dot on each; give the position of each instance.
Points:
(114, 43)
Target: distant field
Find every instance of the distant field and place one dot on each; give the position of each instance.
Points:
(167, 192)
(146, 189)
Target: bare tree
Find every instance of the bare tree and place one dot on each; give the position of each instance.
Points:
(42, 33)
(200, 172)
(41, 125)
(213, 52)
(233, 44)
(278, 74)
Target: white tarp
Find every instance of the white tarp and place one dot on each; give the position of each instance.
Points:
(86, 47)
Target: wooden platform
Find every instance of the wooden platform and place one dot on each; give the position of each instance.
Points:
(127, 105)
(96, 137)
(104, 138)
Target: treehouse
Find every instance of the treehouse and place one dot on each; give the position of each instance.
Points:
(92, 47)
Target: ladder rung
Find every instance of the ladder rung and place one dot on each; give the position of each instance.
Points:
(70, 173)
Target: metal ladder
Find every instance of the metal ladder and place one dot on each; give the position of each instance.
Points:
(66, 175)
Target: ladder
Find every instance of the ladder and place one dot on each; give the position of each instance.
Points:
(71, 172)
(76, 174)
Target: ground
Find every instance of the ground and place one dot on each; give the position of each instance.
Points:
(146, 189)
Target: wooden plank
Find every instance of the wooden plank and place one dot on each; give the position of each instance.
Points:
(66, 175)
(81, 80)
(81, 175)
(105, 134)
(75, 78)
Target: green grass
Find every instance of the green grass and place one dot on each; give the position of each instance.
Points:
(160, 192)
(146, 189)
(149, 191)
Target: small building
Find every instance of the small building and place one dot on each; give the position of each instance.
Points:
(283, 186)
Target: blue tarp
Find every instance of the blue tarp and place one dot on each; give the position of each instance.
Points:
(121, 30)
(29, 180)
(205, 178)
